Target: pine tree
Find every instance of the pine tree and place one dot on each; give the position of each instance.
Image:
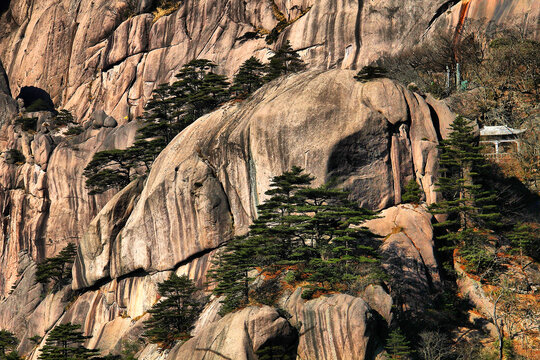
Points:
(370, 72)
(8, 341)
(397, 346)
(65, 342)
(344, 250)
(108, 169)
(526, 239)
(285, 61)
(231, 272)
(173, 317)
(412, 193)
(248, 78)
(197, 91)
(58, 268)
(315, 231)
(466, 202)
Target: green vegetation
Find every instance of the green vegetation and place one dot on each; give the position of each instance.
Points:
(39, 105)
(412, 193)
(74, 130)
(173, 317)
(284, 61)
(65, 342)
(312, 232)
(57, 270)
(27, 124)
(467, 203)
(8, 342)
(63, 118)
(198, 90)
(248, 78)
(470, 208)
(108, 169)
(397, 346)
(36, 339)
(526, 240)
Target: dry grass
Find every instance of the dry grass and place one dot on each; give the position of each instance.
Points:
(164, 11)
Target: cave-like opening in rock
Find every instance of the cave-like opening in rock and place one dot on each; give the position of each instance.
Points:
(36, 99)
(4, 5)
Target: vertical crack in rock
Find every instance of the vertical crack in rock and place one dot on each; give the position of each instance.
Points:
(358, 32)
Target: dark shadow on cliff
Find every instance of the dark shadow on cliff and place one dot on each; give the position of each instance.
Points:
(36, 99)
(351, 157)
(4, 6)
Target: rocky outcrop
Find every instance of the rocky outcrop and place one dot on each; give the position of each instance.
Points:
(95, 245)
(335, 327)
(109, 56)
(215, 172)
(43, 198)
(239, 336)
(408, 255)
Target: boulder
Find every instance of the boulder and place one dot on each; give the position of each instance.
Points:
(110, 122)
(217, 171)
(379, 300)
(95, 245)
(239, 336)
(42, 147)
(335, 327)
(408, 255)
(98, 117)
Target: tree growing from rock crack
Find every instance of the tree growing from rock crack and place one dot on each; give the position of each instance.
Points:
(285, 61)
(57, 270)
(173, 317)
(248, 78)
(65, 342)
(312, 232)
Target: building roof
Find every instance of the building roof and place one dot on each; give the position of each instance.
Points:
(499, 130)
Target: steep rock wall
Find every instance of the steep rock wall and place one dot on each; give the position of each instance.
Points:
(44, 203)
(372, 138)
(92, 55)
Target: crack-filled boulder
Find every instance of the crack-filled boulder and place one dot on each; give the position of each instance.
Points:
(371, 139)
(408, 255)
(241, 336)
(336, 326)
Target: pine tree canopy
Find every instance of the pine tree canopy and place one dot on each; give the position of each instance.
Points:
(285, 61)
(8, 341)
(173, 317)
(413, 193)
(370, 72)
(58, 268)
(65, 342)
(108, 169)
(248, 78)
(398, 346)
(312, 230)
(197, 91)
(466, 201)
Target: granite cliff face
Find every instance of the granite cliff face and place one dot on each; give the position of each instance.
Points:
(100, 58)
(110, 55)
(204, 188)
(372, 138)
